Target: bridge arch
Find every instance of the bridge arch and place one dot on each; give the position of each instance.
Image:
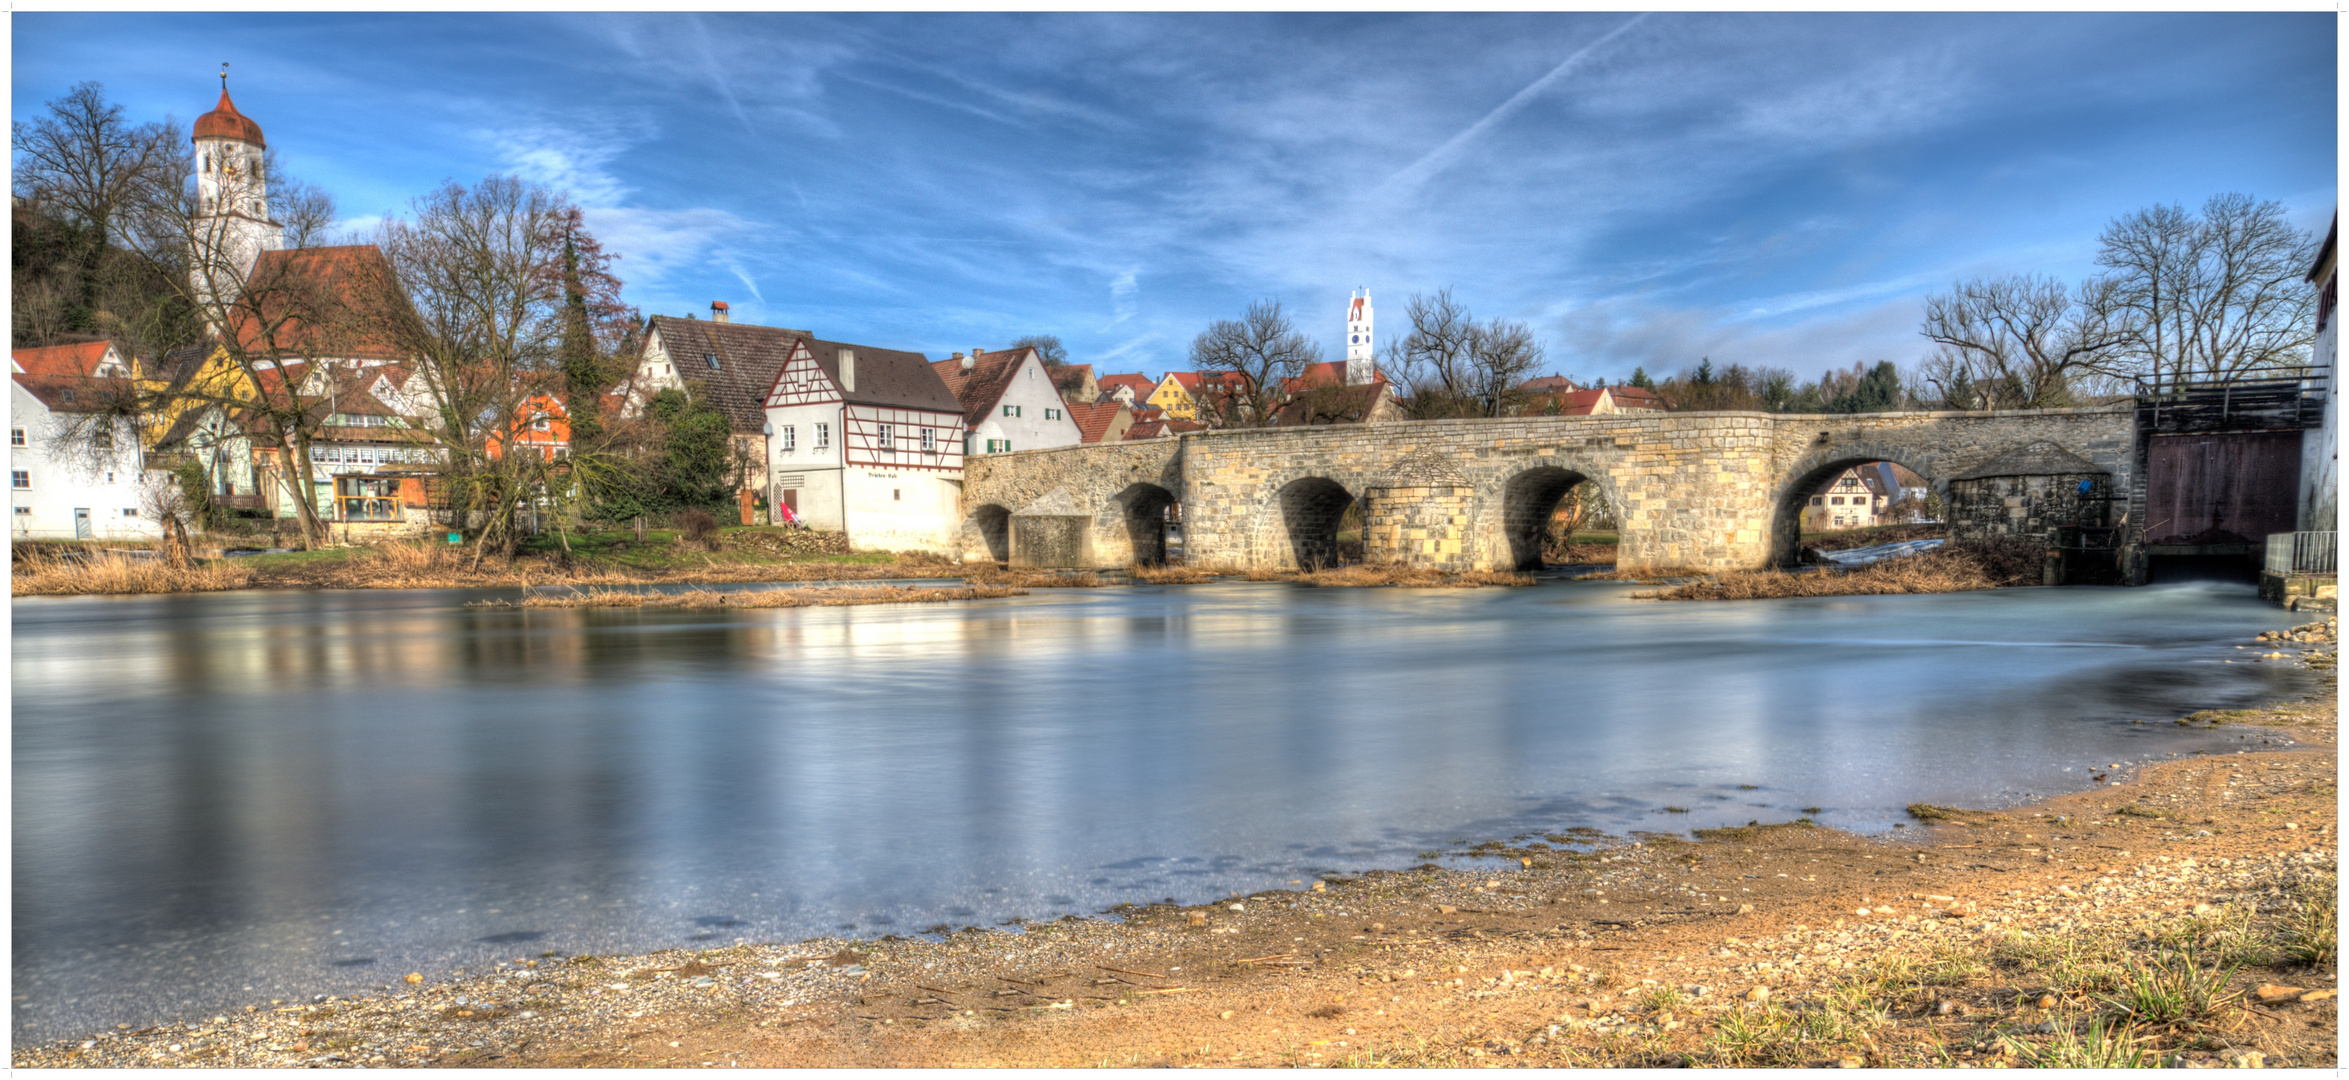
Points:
(1298, 526)
(1812, 470)
(1142, 507)
(1528, 498)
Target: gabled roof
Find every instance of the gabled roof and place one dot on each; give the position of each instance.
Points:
(980, 386)
(1628, 396)
(1095, 420)
(1190, 381)
(2040, 458)
(78, 360)
(1070, 378)
(1333, 403)
(1316, 376)
(748, 358)
(1549, 384)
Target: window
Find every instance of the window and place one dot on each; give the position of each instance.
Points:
(130, 511)
(929, 441)
(711, 359)
(999, 446)
(109, 478)
(787, 439)
(823, 436)
(540, 423)
(1052, 414)
(896, 494)
(366, 498)
(16, 436)
(20, 479)
(1817, 501)
(1011, 410)
(24, 510)
(885, 437)
(1838, 500)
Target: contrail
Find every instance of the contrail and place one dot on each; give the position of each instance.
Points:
(1442, 157)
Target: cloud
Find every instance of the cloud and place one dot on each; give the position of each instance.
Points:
(1610, 336)
(1442, 157)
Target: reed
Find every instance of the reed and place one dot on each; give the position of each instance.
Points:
(112, 573)
(764, 598)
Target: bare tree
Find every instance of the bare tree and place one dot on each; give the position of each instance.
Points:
(1455, 366)
(83, 161)
(1048, 348)
(485, 302)
(2212, 296)
(1246, 362)
(2019, 342)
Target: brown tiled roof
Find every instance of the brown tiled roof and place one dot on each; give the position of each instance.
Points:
(748, 359)
(980, 387)
(1548, 384)
(1332, 404)
(224, 121)
(889, 377)
(290, 285)
(1096, 420)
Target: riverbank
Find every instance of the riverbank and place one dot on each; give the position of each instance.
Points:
(1972, 937)
(1952, 567)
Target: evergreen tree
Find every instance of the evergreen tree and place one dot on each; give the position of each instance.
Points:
(1639, 378)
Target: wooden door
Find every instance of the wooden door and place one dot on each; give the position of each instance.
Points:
(2221, 488)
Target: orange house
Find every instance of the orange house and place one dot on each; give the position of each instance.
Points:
(544, 426)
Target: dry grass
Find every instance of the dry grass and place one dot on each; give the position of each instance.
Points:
(986, 574)
(1948, 568)
(1581, 555)
(1169, 575)
(764, 598)
(1409, 577)
(110, 573)
(1846, 539)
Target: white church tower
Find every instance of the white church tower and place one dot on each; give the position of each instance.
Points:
(1361, 360)
(232, 226)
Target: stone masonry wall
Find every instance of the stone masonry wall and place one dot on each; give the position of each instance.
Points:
(1709, 491)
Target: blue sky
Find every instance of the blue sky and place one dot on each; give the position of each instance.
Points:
(1755, 188)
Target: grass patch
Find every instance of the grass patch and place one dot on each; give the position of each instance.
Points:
(1362, 575)
(1929, 812)
(2140, 810)
(2102, 1047)
(2310, 934)
(2173, 988)
(1169, 575)
(1751, 830)
(114, 573)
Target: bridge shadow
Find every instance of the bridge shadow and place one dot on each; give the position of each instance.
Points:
(1310, 510)
(1144, 507)
(994, 524)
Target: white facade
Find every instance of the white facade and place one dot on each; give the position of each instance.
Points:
(1361, 358)
(1031, 415)
(62, 494)
(232, 226)
(2320, 447)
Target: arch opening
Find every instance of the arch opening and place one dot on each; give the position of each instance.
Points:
(994, 525)
(1530, 503)
(1856, 502)
(1148, 509)
(1310, 510)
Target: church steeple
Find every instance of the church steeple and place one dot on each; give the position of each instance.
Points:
(232, 226)
(1361, 359)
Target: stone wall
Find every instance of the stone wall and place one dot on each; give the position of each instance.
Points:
(1707, 491)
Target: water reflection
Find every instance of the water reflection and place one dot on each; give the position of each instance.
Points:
(221, 799)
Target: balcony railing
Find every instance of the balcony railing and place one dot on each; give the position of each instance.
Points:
(2296, 553)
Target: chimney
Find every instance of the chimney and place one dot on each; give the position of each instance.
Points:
(968, 362)
(848, 370)
(718, 311)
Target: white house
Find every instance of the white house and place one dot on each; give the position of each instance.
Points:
(867, 441)
(1009, 401)
(72, 472)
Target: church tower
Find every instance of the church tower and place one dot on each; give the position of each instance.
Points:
(232, 226)
(1361, 361)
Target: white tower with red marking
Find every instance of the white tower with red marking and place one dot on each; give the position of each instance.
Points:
(1361, 361)
(232, 226)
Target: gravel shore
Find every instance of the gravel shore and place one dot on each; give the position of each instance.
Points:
(2179, 916)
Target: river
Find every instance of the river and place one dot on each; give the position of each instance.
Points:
(224, 799)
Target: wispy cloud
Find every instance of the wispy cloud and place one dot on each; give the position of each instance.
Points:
(1442, 157)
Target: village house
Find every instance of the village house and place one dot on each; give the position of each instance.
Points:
(1132, 389)
(1597, 401)
(74, 472)
(1009, 402)
(1179, 392)
(1857, 499)
(866, 441)
(1337, 393)
(732, 365)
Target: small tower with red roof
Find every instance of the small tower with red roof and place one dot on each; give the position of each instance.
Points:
(232, 226)
(1361, 361)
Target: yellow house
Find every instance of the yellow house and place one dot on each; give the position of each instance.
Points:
(1178, 393)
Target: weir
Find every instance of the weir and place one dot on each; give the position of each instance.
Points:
(1694, 491)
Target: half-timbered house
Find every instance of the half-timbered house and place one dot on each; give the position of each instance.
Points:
(867, 441)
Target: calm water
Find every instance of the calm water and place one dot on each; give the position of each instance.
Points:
(223, 799)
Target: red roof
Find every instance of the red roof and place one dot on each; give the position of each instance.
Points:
(1191, 380)
(75, 393)
(78, 360)
(983, 384)
(1550, 384)
(1095, 420)
(225, 122)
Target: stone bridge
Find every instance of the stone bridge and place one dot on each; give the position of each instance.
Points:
(1711, 491)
